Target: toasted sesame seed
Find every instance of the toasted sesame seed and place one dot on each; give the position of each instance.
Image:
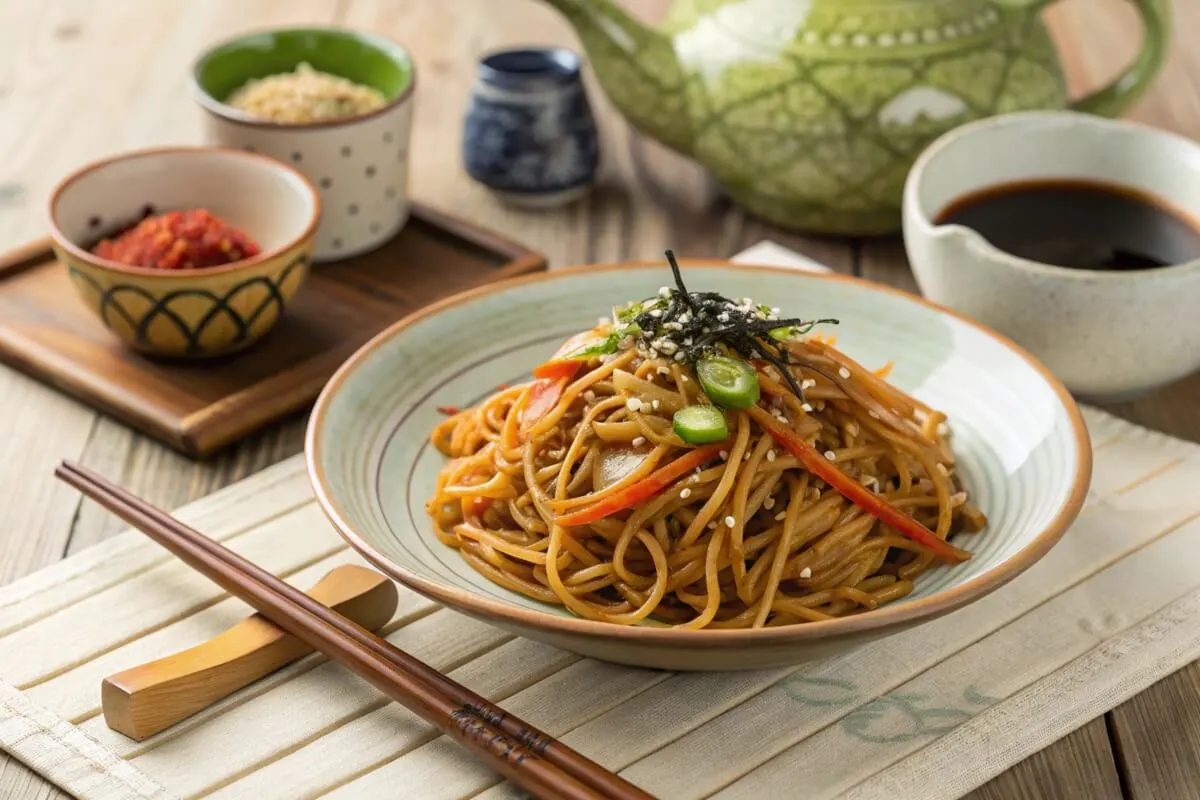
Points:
(664, 370)
(722, 317)
(746, 456)
(770, 455)
(832, 456)
(679, 357)
(656, 312)
(807, 407)
(807, 383)
(638, 441)
(724, 454)
(852, 429)
(655, 404)
(845, 373)
(781, 516)
(712, 525)
(769, 503)
(685, 494)
(684, 378)
(806, 573)
(589, 396)
(730, 521)
(664, 291)
(872, 413)
(633, 404)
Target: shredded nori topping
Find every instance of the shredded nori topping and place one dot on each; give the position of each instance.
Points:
(692, 325)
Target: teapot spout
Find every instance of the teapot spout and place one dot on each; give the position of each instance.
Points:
(637, 67)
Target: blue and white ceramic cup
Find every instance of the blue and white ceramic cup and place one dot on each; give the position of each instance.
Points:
(529, 133)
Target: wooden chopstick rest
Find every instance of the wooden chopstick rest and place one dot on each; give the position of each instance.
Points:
(141, 701)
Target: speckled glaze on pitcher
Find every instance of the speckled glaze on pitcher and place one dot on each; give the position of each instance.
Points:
(809, 113)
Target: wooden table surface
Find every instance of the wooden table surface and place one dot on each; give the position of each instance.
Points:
(80, 79)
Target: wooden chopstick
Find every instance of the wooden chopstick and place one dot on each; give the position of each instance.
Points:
(520, 752)
(544, 745)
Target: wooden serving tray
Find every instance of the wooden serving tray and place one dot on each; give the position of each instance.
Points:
(198, 408)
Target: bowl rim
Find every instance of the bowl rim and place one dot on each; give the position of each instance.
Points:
(1037, 120)
(888, 616)
(83, 255)
(219, 108)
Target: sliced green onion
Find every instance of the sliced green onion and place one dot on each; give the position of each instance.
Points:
(700, 424)
(606, 346)
(728, 382)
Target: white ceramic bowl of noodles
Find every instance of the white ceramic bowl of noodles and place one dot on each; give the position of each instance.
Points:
(1021, 444)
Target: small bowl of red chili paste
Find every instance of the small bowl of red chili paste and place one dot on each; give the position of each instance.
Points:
(191, 239)
(188, 252)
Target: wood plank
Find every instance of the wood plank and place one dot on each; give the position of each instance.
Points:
(169, 479)
(18, 781)
(1081, 765)
(1157, 738)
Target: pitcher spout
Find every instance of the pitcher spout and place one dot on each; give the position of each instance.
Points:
(636, 66)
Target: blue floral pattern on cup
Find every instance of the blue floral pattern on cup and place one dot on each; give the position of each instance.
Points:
(529, 132)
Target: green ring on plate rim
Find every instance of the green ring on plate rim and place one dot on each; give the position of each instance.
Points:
(365, 58)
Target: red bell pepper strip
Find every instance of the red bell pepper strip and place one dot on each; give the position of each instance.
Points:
(855, 492)
(561, 365)
(560, 368)
(542, 399)
(651, 485)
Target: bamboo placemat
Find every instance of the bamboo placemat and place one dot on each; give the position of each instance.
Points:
(930, 713)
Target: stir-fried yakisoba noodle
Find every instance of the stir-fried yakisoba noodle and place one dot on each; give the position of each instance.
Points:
(698, 461)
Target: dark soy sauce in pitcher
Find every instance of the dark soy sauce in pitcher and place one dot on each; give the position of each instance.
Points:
(1078, 224)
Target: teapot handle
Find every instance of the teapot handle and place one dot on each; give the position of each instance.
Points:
(1114, 99)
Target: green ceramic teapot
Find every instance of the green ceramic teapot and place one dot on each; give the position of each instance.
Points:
(809, 113)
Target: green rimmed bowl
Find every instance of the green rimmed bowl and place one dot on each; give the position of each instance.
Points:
(1022, 446)
(359, 164)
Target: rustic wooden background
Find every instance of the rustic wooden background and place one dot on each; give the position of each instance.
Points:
(80, 79)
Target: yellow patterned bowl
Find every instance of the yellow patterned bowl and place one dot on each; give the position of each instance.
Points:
(187, 313)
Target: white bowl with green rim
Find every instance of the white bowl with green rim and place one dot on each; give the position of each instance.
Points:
(1021, 442)
(359, 164)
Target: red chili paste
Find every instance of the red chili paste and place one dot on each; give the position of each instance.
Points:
(179, 240)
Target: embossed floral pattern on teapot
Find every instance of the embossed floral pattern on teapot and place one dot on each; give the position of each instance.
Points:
(809, 113)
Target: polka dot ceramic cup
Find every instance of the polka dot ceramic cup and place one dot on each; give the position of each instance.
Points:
(359, 164)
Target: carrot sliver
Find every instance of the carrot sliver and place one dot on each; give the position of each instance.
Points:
(855, 492)
(650, 486)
